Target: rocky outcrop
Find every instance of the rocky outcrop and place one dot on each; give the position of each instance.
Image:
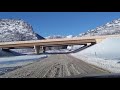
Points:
(16, 30)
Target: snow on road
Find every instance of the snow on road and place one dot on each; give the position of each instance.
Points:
(55, 66)
(105, 54)
(19, 60)
(11, 63)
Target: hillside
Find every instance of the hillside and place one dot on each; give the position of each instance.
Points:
(105, 54)
(110, 28)
(16, 30)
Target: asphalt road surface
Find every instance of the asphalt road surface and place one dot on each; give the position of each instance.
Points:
(55, 66)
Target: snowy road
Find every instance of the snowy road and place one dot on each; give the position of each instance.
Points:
(58, 65)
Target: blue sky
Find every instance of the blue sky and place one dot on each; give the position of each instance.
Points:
(62, 23)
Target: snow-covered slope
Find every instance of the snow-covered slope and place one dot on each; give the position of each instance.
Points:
(8, 64)
(105, 54)
(108, 49)
(109, 28)
(16, 30)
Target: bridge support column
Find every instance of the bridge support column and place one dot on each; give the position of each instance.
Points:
(37, 49)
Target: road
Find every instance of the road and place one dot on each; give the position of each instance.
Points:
(55, 66)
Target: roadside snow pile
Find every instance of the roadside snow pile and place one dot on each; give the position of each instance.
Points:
(19, 60)
(8, 54)
(11, 63)
(107, 49)
(105, 54)
(16, 52)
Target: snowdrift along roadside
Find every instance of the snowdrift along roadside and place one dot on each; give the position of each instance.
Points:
(105, 54)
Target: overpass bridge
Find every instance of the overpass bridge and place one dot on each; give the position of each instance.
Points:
(41, 44)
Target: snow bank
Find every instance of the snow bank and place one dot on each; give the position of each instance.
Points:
(16, 52)
(105, 54)
(19, 60)
(107, 49)
(8, 64)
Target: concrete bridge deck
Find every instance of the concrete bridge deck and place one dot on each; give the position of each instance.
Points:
(55, 42)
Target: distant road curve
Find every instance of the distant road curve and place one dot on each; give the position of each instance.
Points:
(55, 66)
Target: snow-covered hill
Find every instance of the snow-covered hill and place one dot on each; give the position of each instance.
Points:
(105, 54)
(107, 49)
(109, 28)
(16, 30)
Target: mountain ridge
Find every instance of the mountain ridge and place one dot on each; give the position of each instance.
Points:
(109, 28)
(16, 30)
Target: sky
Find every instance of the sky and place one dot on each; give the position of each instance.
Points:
(62, 23)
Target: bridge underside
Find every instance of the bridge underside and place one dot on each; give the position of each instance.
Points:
(41, 49)
(40, 45)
